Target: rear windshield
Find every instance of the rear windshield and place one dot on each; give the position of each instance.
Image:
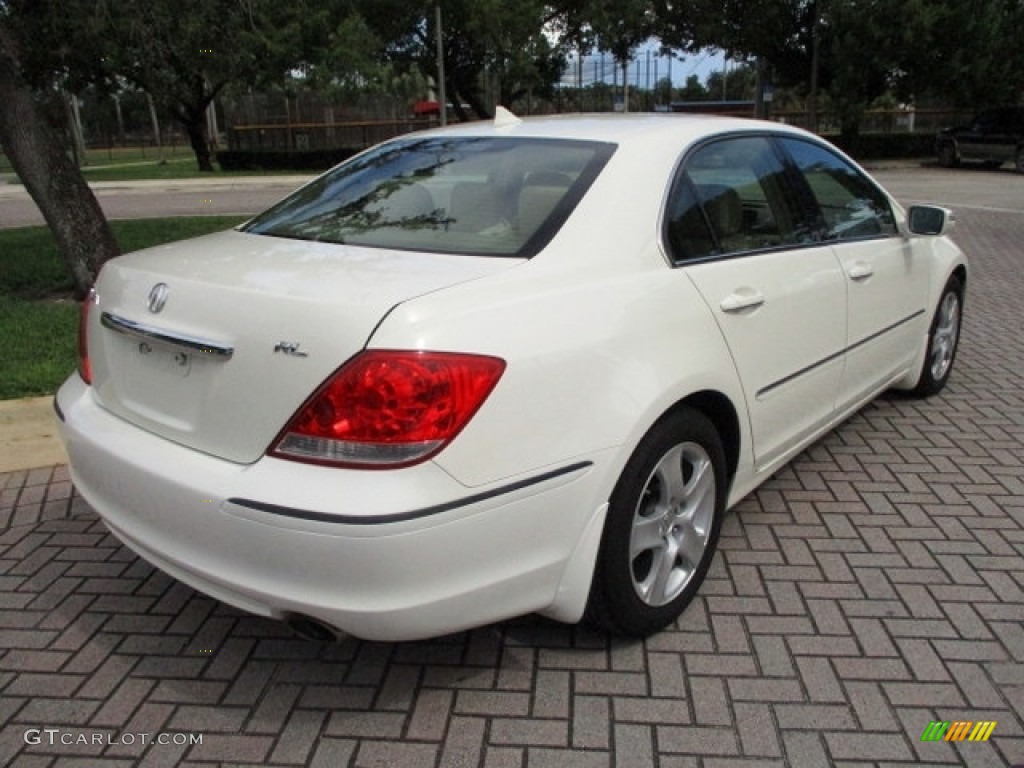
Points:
(464, 195)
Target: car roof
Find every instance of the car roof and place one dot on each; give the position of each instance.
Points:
(623, 129)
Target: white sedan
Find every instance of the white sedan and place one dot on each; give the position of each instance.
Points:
(521, 366)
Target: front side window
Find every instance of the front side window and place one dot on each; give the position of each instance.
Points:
(732, 196)
(850, 206)
(451, 194)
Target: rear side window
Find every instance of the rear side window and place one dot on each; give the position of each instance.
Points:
(452, 194)
(732, 196)
(850, 206)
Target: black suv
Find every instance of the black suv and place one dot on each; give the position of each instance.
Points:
(993, 137)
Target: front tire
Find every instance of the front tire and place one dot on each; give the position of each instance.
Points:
(664, 519)
(943, 340)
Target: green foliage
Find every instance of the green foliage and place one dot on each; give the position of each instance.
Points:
(61, 42)
(970, 53)
(736, 84)
(693, 90)
(495, 51)
(31, 266)
(615, 26)
(39, 345)
(499, 52)
(857, 50)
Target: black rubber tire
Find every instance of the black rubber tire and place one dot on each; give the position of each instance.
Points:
(948, 155)
(614, 604)
(931, 382)
(1018, 160)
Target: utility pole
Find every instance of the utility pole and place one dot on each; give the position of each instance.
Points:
(812, 97)
(442, 95)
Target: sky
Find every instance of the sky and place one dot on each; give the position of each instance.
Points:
(681, 67)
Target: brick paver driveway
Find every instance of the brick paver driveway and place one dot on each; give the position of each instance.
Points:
(872, 587)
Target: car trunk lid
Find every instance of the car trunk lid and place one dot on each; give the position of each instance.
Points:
(214, 343)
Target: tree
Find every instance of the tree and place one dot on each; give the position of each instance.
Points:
(490, 46)
(184, 52)
(181, 52)
(854, 51)
(615, 26)
(735, 84)
(693, 90)
(663, 91)
(34, 142)
(968, 54)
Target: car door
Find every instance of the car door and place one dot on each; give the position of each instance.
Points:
(886, 278)
(778, 297)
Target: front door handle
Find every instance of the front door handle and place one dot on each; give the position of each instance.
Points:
(861, 270)
(744, 298)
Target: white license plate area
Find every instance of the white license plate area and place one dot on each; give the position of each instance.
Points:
(161, 360)
(162, 382)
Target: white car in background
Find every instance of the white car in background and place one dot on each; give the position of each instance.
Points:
(500, 368)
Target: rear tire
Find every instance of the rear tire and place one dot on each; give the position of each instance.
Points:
(664, 519)
(948, 156)
(943, 340)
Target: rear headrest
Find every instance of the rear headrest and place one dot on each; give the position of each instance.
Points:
(724, 208)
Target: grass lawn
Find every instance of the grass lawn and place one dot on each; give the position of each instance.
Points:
(131, 164)
(96, 158)
(38, 319)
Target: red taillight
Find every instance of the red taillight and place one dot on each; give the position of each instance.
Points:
(389, 408)
(84, 366)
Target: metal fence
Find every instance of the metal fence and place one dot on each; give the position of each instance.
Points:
(312, 136)
(881, 120)
(315, 136)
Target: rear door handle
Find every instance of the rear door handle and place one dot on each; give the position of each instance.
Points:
(861, 270)
(744, 298)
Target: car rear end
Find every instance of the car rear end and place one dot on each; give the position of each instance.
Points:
(234, 423)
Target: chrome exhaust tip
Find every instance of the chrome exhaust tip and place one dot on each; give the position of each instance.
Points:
(311, 629)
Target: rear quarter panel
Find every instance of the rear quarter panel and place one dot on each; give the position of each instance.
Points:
(593, 362)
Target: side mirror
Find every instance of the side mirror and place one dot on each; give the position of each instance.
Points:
(929, 220)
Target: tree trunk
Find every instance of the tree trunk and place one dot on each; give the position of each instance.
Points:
(156, 128)
(39, 157)
(456, 100)
(195, 127)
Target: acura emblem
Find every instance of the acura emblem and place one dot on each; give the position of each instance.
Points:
(157, 297)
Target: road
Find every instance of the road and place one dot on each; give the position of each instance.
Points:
(241, 195)
(965, 188)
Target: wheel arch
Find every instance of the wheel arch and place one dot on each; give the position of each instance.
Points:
(960, 273)
(719, 409)
(940, 146)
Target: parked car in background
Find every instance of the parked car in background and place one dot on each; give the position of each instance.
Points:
(500, 368)
(994, 137)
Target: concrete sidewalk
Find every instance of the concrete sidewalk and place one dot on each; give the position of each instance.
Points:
(28, 435)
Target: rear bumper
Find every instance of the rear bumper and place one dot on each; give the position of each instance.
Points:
(385, 555)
